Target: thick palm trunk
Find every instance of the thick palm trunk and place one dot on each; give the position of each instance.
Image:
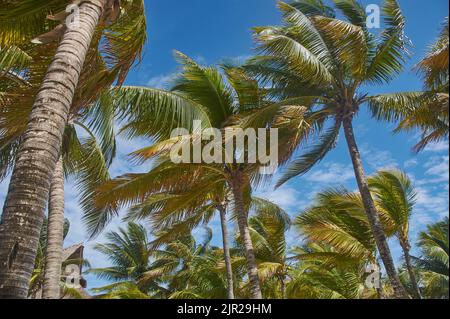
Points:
(38, 153)
(371, 212)
(412, 275)
(55, 235)
(242, 218)
(226, 252)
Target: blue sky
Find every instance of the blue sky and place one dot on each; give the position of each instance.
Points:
(210, 31)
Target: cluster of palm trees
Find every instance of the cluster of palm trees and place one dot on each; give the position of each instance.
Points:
(62, 94)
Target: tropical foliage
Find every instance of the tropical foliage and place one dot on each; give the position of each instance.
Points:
(64, 102)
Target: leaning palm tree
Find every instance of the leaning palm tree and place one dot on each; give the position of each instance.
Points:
(39, 147)
(329, 62)
(85, 158)
(395, 197)
(433, 263)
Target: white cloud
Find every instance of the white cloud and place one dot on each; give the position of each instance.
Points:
(437, 147)
(333, 173)
(411, 163)
(286, 197)
(437, 168)
(377, 159)
(161, 81)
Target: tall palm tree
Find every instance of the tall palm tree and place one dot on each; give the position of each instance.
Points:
(38, 277)
(219, 102)
(88, 159)
(328, 62)
(395, 197)
(39, 147)
(433, 263)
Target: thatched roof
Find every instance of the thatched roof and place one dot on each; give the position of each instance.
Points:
(73, 252)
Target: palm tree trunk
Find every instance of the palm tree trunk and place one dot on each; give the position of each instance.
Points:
(226, 252)
(55, 235)
(283, 287)
(412, 276)
(371, 212)
(38, 153)
(242, 218)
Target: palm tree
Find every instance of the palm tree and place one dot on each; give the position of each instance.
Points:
(174, 213)
(314, 278)
(129, 252)
(219, 102)
(395, 197)
(433, 264)
(39, 147)
(193, 269)
(429, 113)
(268, 230)
(86, 159)
(328, 62)
(38, 277)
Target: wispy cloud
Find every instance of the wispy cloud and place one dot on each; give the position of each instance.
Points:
(331, 173)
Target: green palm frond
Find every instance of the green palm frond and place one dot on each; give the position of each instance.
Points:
(317, 152)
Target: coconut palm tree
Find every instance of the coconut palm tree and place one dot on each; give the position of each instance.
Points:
(129, 252)
(37, 280)
(429, 113)
(395, 197)
(329, 62)
(219, 102)
(268, 229)
(49, 114)
(193, 269)
(314, 278)
(87, 159)
(433, 263)
(174, 213)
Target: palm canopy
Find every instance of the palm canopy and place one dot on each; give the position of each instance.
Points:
(337, 219)
(434, 261)
(217, 99)
(268, 227)
(395, 197)
(327, 62)
(430, 113)
(313, 278)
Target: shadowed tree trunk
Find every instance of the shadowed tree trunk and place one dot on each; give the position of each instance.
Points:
(55, 235)
(226, 251)
(38, 153)
(283, 287)
(412, 276)
(371, 212)
(242, 217)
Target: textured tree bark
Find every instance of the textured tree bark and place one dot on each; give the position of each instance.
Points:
(226, 252)
(55, 235)
(38, 153)
(242, 217)
(283, 287)
(412, 275)
(371, 212)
